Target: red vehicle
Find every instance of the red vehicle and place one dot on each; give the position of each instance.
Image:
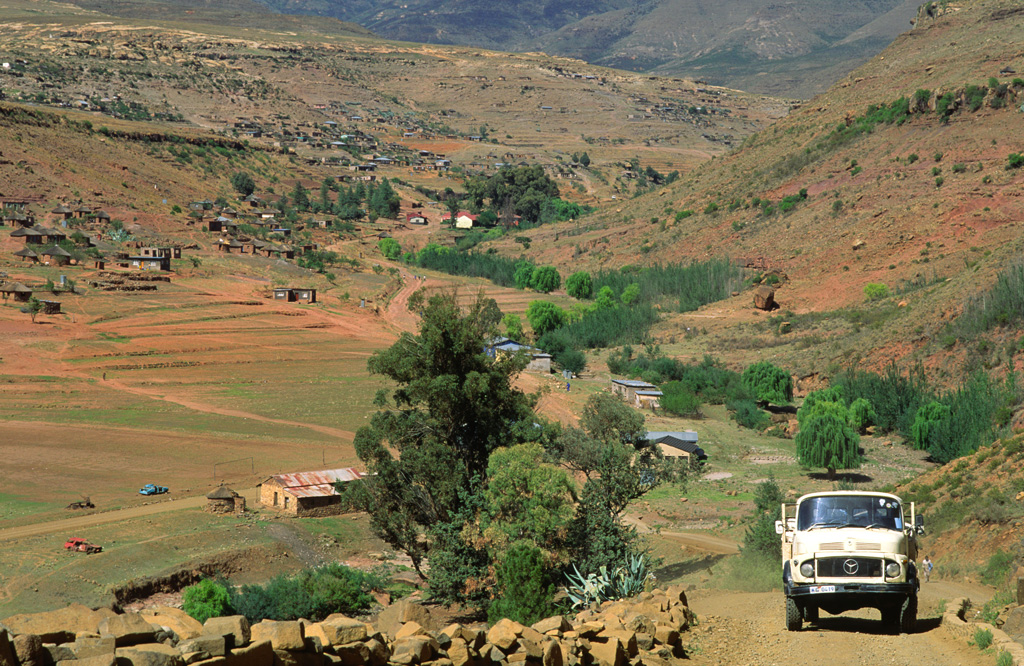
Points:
(77, 545)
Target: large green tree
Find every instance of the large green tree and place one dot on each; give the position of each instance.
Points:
(427, 449)
(768, 383)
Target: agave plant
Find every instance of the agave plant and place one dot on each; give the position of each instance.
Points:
(625, 581)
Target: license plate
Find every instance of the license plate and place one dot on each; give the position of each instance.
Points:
(822, 588)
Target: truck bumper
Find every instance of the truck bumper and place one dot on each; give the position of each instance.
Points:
(836, 597)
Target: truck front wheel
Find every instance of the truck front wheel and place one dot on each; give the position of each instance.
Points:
(794, 618)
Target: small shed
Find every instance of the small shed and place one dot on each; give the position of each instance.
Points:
(224, 500)
(627, 388)
(62, 212)
(306, 493)
(50, 307)
(150, 263)
(682, 444)
(293, 294)
(647, 398)
(21, 293)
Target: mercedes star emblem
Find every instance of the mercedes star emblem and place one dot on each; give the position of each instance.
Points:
(850, 567)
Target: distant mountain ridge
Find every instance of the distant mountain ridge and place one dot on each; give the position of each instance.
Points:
(796, 48)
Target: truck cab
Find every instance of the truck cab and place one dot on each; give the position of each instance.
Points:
(845, 550)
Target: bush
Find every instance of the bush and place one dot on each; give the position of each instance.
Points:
(206, 599)
(760, 538)
(525, 591)
(862, 414)
(545, 279)
(312, 594)
(572, 360)
(711, 208)
(982, 638)
(579, 285)
(826, 438)
(747, 414)
(1015, 161)
(874, 291)
(681, 400)
(243, 183)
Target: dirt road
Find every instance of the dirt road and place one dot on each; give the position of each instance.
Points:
(80, 522)
(749, 628)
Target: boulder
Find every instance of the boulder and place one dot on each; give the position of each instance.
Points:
(6, 650)
(338, 629)
(353, 654)
(609, 653)
(676, 594)
(204, 647)
(552, 655)
(459, 652)
(256, 654)
(379, 652)
(98, 660)
(666, 635)
(234, 629)
(215, 661)
(127, 629)
(282, 635)
(58, 653)
(401, 612)
(292, 658)
(28, 650)
(626, 638)
(1014, 624)
(504, 633)
(57, 626)
(412, 650)
(149, 654)
(181, 623)
(410, 629)
(764, 298)
(640, 624)
(553, 624)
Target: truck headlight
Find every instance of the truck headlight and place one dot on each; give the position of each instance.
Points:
(807, 569)
(892, 569)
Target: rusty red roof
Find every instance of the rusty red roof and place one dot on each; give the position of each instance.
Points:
(316, 484)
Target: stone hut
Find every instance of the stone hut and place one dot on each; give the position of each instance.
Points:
(21, 293)
(224, 500)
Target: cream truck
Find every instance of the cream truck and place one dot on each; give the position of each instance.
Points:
(845, 550)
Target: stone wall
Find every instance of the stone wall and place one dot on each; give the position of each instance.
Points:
(644, 630)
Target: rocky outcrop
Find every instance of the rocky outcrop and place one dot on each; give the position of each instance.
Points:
(764, 298)
(643, 630)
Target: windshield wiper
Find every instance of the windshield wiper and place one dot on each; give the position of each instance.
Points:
(817, 525)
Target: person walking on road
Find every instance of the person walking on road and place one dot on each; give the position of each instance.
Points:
(926, 568)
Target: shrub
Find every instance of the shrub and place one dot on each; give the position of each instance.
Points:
(982, 638)
(545, 279)
(630, 294)
(1015, 161)
(572, 360)
(747, 414)
(768, 383)
(711, 208)
(525, 591)
(579, 285)
(959, 167)
(760, 537)
(931, 425)
(827, 440)
(312, 594)
(681, 400)
(206, 599)
(875, 291)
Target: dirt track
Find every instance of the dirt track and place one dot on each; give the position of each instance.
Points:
(748, 628)
(80, 522)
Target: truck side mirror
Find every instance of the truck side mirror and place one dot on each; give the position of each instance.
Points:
(919, 524)
(778, 527)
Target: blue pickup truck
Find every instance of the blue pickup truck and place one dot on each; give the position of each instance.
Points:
(150, 489)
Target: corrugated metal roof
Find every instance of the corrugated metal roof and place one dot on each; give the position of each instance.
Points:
(653, 392)
(633, 383)
(685, 435)
(316, 484)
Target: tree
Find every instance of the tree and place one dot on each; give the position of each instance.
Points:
(454, 205)
(544, 316)
(545, 279)
(426, 450)
(826, 439)
(300, 197)
(768, 383)
(513, 327)
(243, 183)
(862, 415)
(630, 294)
(619, 464)
(760, 538)
(205, 599)
(384, 201)
(606, 299)
(579, 285)
(931, 426)
(585, 159)
(390, 248)
(572, 360)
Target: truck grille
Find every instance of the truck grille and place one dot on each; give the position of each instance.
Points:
(849, 567)
(855, 545)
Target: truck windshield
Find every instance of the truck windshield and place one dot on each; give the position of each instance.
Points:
(850, 511)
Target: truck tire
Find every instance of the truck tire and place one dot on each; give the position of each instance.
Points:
(794, 618)
(810, 613)
(908, 614)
